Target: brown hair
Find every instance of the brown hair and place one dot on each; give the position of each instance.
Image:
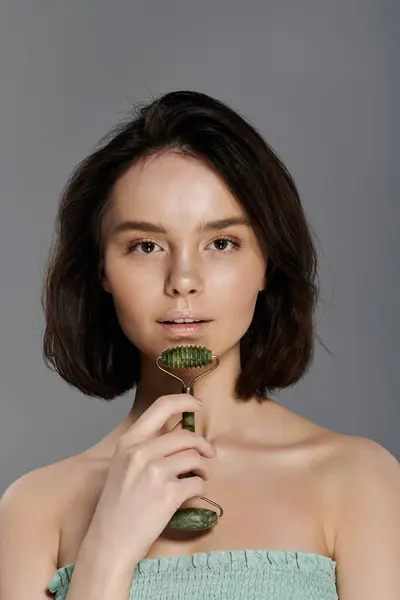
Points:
(83, 340)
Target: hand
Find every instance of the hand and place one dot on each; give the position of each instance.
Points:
(142, 489)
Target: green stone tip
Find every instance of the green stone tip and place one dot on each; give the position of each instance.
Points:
(186, 357)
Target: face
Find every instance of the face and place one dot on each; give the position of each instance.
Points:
(216, 272)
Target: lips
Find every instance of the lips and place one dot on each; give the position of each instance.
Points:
(177, 331)
(184, 322)
(174, 315)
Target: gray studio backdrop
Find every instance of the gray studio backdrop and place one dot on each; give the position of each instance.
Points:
(318, 79)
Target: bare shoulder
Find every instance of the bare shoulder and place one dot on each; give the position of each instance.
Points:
(343, 463)
(342, 455)
(364, 493)
(30, 510)
(369, 469)
(42, 494)
(357, 474)
(356, 460)
(350, 461)
(43, 484)
(49, 490)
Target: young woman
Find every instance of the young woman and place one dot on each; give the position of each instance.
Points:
(185, 212)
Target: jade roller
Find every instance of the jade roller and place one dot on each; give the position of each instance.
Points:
(190, 357)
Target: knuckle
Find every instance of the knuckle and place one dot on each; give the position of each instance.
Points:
(137, 455)
(172, 492)
(162, 399)
(155, 470)
(184, 433)
(166, 399)
(190, 434)
(194, 454)
(130, 454)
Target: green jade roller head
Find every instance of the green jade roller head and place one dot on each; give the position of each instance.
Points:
(190, 357)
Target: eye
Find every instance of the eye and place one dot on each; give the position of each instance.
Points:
(141, 243)
(147, 245)
(222, 242)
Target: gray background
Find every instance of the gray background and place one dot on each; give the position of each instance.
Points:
(319, 80)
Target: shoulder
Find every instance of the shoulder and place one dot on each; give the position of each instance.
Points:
(370, 470)
(364, 494)
(350, 463)
(360, 461)
(42, 493)
(35, 489)
(362, 483)
(29, 532)
(346, 459)
(30, 512)
(43, 480)
(359, 488)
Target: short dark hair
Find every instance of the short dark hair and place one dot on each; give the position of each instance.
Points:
(83, 340)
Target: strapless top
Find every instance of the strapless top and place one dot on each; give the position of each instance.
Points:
(226, 575)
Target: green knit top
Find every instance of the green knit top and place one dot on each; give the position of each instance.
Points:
(226, 575)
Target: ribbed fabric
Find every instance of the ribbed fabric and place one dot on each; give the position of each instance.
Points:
(226, 575)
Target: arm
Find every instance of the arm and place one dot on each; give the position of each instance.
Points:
(29, 542)
(98, 576)
(367, 544)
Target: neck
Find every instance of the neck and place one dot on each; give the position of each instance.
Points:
(224, 420)
(222, 415)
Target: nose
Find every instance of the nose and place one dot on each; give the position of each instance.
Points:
(183, 277)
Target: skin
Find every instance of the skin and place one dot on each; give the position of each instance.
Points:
(284, 482)
(184, 269)
(274, 454)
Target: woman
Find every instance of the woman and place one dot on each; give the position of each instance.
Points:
(185, 212)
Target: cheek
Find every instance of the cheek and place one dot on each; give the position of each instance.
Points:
(238, 286)
(235, 295)
(235, 292)
(130, 288)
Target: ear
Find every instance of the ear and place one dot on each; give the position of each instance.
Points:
(104, 283)
(266, 276)
(105, 286)
(264, 282)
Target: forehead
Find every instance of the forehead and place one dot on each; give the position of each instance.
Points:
(171, 186)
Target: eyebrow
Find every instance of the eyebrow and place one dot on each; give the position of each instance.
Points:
(146, 226)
